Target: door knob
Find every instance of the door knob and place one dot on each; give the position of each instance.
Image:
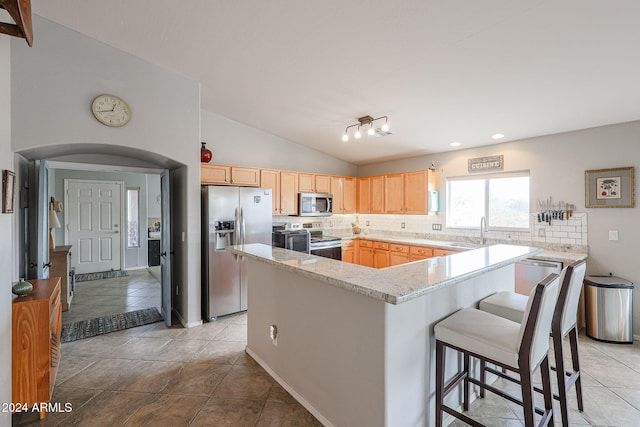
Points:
(47, 265)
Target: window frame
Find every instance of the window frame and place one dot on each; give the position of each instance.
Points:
(136, 189)
(487, 177)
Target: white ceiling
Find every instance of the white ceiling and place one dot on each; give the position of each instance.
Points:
(443, 71)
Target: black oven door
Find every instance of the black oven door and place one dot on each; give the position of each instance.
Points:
(294, 241)
(333, 253)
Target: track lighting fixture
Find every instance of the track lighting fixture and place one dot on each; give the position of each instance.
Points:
(371, 130)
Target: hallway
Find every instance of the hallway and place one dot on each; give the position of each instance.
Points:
(97, 298)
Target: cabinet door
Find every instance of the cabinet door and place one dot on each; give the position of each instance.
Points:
(288, 193)
(337, 183)
(415, 192)
(215, 174)
(306, 183)
(377, 194)
(364, 195)
(365, 253)
(271, 179)
(245, 176)
(394, 193)
(380, 258)
(322, 184)
(348, 255)
(398, 254)
(349, 195)
(419, 252)
(443, 252)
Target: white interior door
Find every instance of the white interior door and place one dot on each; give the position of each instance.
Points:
(92, 220)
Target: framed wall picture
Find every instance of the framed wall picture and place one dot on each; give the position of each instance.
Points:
(610, 188)
(8, 190)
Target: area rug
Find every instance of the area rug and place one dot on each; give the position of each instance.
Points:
(84, 277)
(103, 325)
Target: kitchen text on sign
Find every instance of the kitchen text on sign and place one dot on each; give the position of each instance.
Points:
(490, 163)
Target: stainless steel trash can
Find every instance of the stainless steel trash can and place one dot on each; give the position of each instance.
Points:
(608, 302)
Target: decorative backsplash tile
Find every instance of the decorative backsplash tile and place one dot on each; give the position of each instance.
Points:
(569, 235)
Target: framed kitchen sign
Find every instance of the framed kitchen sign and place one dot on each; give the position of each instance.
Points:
(8, 189)
(610, 188)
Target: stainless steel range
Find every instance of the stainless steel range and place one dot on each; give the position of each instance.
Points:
(323, 245)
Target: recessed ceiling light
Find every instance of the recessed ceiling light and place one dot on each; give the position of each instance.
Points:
(497, 136)
(455, 144)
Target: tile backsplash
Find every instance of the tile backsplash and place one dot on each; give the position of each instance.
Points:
(569, 235)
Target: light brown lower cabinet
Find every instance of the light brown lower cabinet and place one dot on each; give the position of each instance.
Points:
(398, 254)
(365, 253)
(35, 344)
(380, 254)
(349, 251)
(417, 253)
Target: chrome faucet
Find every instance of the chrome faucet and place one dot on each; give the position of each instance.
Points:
(483, 229)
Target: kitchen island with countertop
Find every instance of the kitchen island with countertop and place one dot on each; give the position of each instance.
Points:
(353, 344)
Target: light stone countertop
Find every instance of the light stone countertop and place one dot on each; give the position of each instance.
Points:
(545, 255)
(396, 284)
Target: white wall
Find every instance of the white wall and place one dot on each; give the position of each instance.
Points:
(236, 144)
(557, 164)
(6, 229)
(54, 85)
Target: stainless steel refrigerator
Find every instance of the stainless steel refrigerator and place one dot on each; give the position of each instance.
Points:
(230, 216)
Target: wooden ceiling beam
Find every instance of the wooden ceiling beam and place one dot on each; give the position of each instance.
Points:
(20, 12)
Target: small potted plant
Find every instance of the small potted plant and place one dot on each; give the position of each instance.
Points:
(355, 225)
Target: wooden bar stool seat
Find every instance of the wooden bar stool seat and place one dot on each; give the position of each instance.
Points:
(512, 306)
(517, 347)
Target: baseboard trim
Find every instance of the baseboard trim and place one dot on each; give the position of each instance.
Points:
(301, 400)
(184, 323)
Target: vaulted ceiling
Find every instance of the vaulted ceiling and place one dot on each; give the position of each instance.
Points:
(442, 71)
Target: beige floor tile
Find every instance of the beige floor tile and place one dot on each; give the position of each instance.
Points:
(178, 351)
(233, 332)
(199, 379)
(140, 347)
(602, 407)
(108, 409)
(279, 414)
(104, 346)
(165, 410)
(228, 413)
(279, 394)
(206, 331)
(69, 400)
(71, 365)
(223, 352)
(245, 382)
(160, 330)
(631, 396)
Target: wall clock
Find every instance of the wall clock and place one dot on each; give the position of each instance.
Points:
(111, 110)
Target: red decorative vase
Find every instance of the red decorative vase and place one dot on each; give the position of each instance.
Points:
(205, 153)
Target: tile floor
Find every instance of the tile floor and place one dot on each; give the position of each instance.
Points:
(201, 376)
(96, 298)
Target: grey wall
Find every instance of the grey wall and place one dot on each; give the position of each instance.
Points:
(557, 164)
(236, 144)
(6, 229)
(133, 257)
(54, 85)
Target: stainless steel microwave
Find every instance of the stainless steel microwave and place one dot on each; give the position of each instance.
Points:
(314, 204)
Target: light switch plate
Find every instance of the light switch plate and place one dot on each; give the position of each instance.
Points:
(613, 234)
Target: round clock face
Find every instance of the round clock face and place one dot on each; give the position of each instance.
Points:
(111, 110)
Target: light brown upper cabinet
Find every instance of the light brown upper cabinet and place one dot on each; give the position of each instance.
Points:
(215, 174)
(270, 178)
(229, 175)
(363, 195)
(408, 193)
(377, 194)
(288, 193)
(343, 189)
(313, 183)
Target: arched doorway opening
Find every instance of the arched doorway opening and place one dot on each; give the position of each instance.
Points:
(37, 166)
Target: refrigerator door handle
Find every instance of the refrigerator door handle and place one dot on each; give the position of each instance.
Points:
(243, 225)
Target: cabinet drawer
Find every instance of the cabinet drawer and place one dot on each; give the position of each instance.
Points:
(365, 244)
(348, 243)
(421, 250)
(399, 248)
(381, 245)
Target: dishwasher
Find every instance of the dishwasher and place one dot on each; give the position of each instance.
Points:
(531, 271)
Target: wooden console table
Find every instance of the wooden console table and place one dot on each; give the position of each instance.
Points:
(36, 328)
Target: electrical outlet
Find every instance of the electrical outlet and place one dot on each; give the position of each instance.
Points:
(613, 234)
(273, 334)
(366, 223)
(437, 227)
(402, 225)
(542, 233)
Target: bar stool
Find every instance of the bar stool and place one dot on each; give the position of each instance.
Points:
(520, 348)
(512, 306)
